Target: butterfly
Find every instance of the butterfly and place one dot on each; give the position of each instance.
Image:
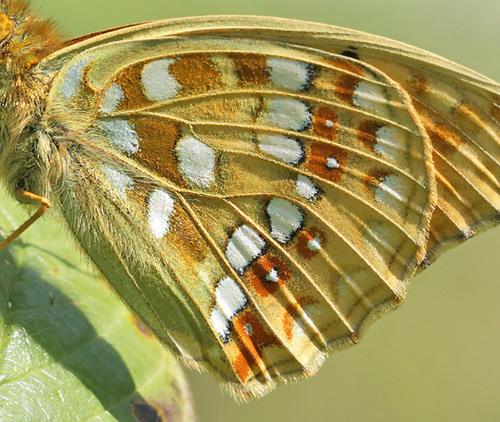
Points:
(257, 190)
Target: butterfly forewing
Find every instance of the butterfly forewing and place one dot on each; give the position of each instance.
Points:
(274, 197)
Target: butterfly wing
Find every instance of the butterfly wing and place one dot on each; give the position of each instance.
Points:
(260, 192)
(459, 109)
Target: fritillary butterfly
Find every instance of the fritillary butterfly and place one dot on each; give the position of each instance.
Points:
(258, 190)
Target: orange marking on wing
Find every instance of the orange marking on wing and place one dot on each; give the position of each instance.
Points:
(249, 327)
(418, 83)
(442, 138)
(157, 143)
(242, 365)
(293, 312)
(317, 161)
(130, 79)
(306, 236)
(252, 336)
(470, 120)
(196, 73)
(344, 88)
(261, 268)
(250, 69)
(367, 133)
(325, 123)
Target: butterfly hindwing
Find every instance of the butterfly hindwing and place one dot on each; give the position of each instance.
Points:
(275, 190)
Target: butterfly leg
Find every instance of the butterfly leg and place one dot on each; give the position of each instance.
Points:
(26, 197)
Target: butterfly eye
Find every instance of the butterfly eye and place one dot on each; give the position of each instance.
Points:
(6, 25)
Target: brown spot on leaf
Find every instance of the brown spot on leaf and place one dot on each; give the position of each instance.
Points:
(141, 328)
(145, 412)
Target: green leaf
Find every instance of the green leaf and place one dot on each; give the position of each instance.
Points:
(69, 349)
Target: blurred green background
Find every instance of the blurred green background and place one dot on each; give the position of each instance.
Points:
(436, 358)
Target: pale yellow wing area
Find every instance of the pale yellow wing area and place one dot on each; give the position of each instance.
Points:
(256, 202)
(462, 121)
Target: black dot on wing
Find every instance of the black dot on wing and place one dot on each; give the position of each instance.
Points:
(350, 52)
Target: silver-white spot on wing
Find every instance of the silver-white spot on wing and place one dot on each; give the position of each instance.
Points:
(305, 187)
(122, 134)
(281, 147)
(111, 98)
(119, 180)
(390, 142)
(288, 113)
(73, 78)
(286, 218)
(160, 208)
(196, 161)
(243, 247)
(370, 97)
(158, 83)
(229, 300)
(289, 74)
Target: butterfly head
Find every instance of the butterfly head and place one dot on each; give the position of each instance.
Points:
(6, 26)
(24, 38)
(12, 12)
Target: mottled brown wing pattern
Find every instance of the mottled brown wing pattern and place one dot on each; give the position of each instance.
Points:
(276, 197)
